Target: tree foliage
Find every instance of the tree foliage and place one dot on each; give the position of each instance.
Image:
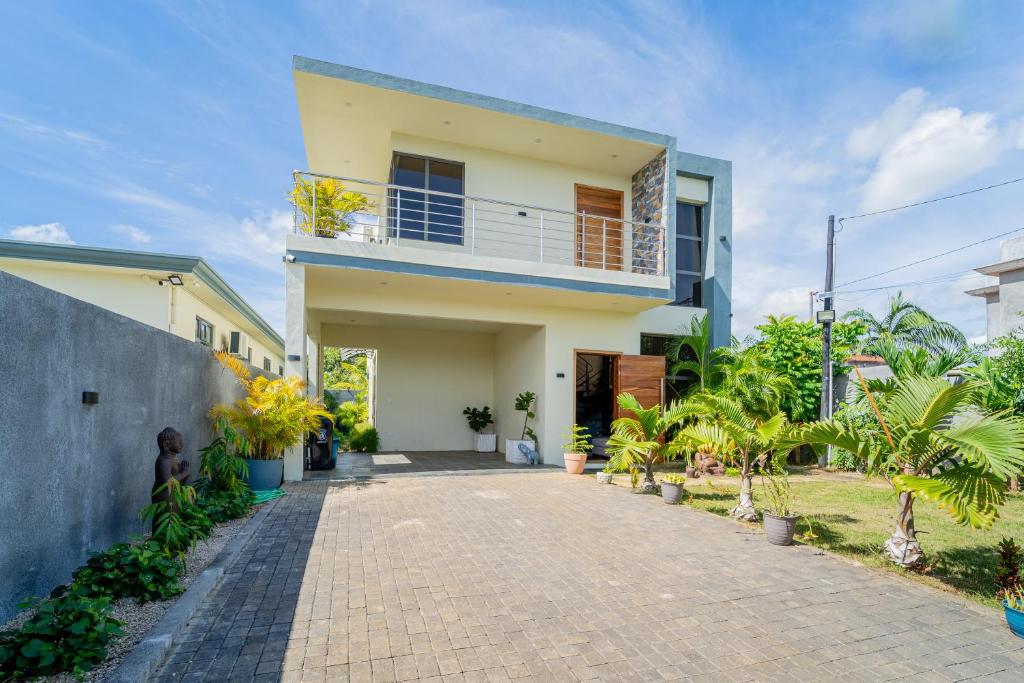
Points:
(324, 207)
(905, 324)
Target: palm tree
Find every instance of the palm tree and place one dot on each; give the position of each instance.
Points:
(760, 390)
(909, 360)
(906, 325)
(932, 444)
(738, 434)
(707, 361)
(639, 441)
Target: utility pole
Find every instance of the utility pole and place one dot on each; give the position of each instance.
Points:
(826, 316)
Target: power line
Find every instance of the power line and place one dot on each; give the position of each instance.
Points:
(936, 280)
(932, 201)
(932, 258)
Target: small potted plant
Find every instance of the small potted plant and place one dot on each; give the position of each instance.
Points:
(672, 488)
(605, 475)
(479, 419)
(524, 404)
(1011, 594)
(779, 522)
(576, 446)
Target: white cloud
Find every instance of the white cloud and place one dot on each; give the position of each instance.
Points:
(868, 141)
(939, 149)
(53, 233)
(265, 234)
(136, 235)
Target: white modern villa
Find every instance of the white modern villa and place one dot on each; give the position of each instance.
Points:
(497, 248)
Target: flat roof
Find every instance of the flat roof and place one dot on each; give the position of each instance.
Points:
(983, 291)
(140, 260)
(1002, 267)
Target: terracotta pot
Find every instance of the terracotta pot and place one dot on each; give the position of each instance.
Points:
(604, 477)
(779, 530)
(671, 493)
(575, 462)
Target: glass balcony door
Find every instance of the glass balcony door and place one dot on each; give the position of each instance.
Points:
(415, 211)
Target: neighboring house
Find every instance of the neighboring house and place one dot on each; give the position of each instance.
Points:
(182, 295)
(1004, 294)
(505, 248)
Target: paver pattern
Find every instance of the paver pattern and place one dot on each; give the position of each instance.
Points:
(419, 462)
(552, 577)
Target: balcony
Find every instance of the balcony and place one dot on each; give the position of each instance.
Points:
(354, 217)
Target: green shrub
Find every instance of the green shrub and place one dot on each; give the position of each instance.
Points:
(170, 529)
(142, 571)
(348, 415)
(843, 460)
(69, 633)
(197, 520)
(365, 438)
(221, 506)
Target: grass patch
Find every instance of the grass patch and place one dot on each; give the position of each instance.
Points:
(855, 518)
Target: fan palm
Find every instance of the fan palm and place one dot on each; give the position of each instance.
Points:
(932, 444)
(738, 435)
(639, 441)
(906, 324)
(694, 353)
(760, 390)
(905, 361)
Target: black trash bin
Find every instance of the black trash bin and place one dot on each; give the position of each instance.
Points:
(319, 455)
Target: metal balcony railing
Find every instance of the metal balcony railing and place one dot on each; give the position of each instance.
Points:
(342, 208)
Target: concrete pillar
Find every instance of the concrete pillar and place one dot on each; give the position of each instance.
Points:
(294, 349)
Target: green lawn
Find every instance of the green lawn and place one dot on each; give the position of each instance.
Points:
(855, 518)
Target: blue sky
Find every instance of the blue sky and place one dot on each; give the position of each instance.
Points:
(173, 127)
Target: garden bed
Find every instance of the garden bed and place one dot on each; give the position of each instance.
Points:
(139, 618)
(854, 518)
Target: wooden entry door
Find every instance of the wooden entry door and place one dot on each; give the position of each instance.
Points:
(599, 233)
(642, 376)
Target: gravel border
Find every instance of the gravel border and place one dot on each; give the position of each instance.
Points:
(141, 622)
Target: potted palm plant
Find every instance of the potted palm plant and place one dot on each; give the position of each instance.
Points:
(672, 488)
(274, 415)
(605, 475)
(479, 419)
(524, 404)
(639, 441)
(576, 446)
(779, 520)
(1008, 578)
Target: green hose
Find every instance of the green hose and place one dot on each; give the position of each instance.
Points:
(266, 496)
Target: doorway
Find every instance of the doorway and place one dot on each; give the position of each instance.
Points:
(595, 397)
(599, 234)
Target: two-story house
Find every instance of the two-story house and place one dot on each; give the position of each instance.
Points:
(490, 248)
(1004, 291)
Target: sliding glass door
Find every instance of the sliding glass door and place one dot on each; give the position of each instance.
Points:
(421, 208)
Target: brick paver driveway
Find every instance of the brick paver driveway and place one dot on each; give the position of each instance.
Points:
(547, 576)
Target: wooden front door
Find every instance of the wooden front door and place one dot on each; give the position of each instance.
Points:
(599, 233)
(642, 376)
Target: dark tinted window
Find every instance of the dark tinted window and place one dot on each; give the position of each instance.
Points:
(689, 254)
(427, 215)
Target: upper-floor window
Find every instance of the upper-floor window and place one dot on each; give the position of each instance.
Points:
(266, 363)
(204, 332)
(689, 255)
(430, 215)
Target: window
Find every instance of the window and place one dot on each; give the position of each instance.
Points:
(204, 332)
(280, 370)
(266, 363)
(689, 255)
(424, 215)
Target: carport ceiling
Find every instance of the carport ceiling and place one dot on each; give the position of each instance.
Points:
(414, 322)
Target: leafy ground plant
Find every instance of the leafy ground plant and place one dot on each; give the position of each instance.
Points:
(142, 571)
(70, 633)
(171, 530)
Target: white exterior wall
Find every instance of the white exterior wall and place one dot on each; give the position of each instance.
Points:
(519, 366)
(126, 292)
(425, 378)
(520, 180)
(187, 306)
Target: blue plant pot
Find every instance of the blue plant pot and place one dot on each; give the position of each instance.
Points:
(1014, 619)
(265, 475)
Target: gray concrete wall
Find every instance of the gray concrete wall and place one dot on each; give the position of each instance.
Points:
(72, 476)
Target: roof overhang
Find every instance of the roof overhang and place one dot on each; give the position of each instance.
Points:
(1002, 267)
(985, 291)
(143, 261)
(349, 115)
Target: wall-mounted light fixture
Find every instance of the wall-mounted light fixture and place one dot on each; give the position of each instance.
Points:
(175, 280)
(90, 398)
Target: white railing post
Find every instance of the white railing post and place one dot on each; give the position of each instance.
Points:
(542, 237)
(314, 231)
(472, 229)
(583, 242)
(604, 244)
(398, 212)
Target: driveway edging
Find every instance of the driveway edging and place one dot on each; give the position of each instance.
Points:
(150, 652)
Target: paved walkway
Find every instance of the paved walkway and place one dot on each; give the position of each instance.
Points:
(549, 577)
(415, 462)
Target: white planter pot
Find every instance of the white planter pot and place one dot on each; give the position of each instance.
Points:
(512, 453)
(485, 443)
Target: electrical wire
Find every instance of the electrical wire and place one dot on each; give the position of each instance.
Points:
(935, 280)
(930, 258)
(932, 201)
